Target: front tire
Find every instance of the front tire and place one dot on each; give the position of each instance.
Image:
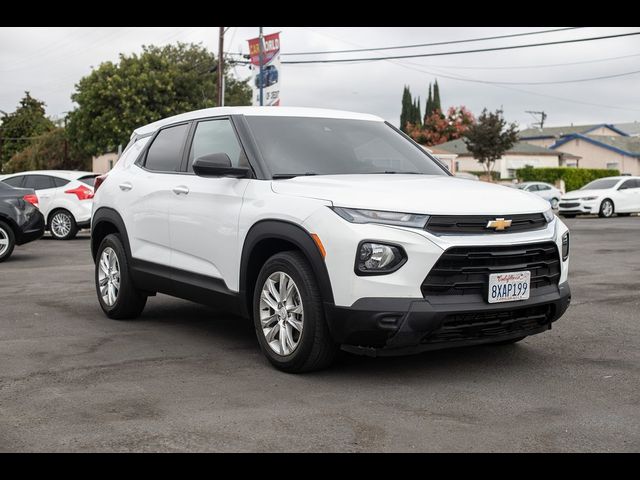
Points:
(62, 225)
(118, 297)
(606, 209)
(289, 317)
(7, 241)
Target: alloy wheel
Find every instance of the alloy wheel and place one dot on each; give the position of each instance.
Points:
(281, 313)
(61, 225)
(109, 276)
(607, 208)
(4, 241)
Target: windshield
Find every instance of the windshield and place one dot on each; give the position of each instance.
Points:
(328, 146)
(601, 184)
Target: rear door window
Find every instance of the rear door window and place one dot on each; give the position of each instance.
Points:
(39, 182)
(165, 153)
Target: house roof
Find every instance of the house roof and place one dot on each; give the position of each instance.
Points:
(555, 132)
(632, 128)
(458, 146)
(629, 146)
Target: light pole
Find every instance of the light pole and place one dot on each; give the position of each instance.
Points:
(220, 67)
(260, 45)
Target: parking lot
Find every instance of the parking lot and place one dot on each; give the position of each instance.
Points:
(186, 377)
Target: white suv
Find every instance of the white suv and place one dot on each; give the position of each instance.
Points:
(330, 229)
(64, 198)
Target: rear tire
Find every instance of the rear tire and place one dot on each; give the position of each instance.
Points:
(118, 297)
(288, 315)
(7, 241)
(62, 225)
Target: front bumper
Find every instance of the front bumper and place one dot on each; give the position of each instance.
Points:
(398, 326)
(578, 207)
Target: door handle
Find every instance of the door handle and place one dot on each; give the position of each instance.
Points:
(180, 190)
(125, 186)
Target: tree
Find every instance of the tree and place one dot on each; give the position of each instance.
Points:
(116, 98)
(50, 151)
(428, 109)
(436, 97)
(406, 112)
(490, 138)
(18, 128)
(438, 129)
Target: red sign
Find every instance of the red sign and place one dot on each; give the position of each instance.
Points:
(270, 48)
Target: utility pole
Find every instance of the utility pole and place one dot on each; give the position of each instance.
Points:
(543, 117)
(260, 60)
(221, 67)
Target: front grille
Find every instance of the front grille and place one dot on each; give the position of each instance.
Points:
(461, 224)
(569, 205)
(465, 270)
(481, 325)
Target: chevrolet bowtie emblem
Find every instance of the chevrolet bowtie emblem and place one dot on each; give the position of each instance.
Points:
(499, 224)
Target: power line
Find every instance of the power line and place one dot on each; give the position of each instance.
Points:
(523, 67)
(432, 44)
(456, 52)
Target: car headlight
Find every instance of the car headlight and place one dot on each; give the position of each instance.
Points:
(549, 215)
(565, 246)
(357, 215)
(588, 198)
(375, 258)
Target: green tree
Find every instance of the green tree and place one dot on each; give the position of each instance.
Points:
(490, 137)
(428, 109)
(50, 151)
(418, 114)
(406, 112)
(436, 97)
(18, 128)
(116, 98)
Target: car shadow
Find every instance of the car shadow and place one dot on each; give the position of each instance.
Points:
(237, 333)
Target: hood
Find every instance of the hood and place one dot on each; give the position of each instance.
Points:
(429, 194)
(575, 194)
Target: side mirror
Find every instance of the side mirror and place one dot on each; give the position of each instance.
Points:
(217, 165)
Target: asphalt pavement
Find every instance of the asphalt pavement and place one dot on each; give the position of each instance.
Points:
(185, 377)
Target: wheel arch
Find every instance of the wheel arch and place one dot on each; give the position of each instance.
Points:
(10, 222)
(269, 237)
(104, 222)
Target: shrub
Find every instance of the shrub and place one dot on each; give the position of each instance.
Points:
(574, 178)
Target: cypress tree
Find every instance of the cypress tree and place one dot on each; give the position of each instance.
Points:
(429, 107)
(436, 97)
(406, 112)
(418, 114)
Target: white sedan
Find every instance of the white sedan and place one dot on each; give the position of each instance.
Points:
(545, 190)
(64, 198)
(605, 196)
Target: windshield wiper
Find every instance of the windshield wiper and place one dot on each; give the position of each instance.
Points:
(277, 176)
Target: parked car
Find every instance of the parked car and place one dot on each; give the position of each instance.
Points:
(65, 198)
(330, 229)
(20, 220)
(545, 190)
(605, 196)
(269, 77)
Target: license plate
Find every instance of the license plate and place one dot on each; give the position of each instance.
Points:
(509, 287)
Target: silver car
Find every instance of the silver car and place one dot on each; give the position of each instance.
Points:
(544, 190)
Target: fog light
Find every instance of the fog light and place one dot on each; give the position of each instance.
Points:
(565, 246)
(378, 258)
